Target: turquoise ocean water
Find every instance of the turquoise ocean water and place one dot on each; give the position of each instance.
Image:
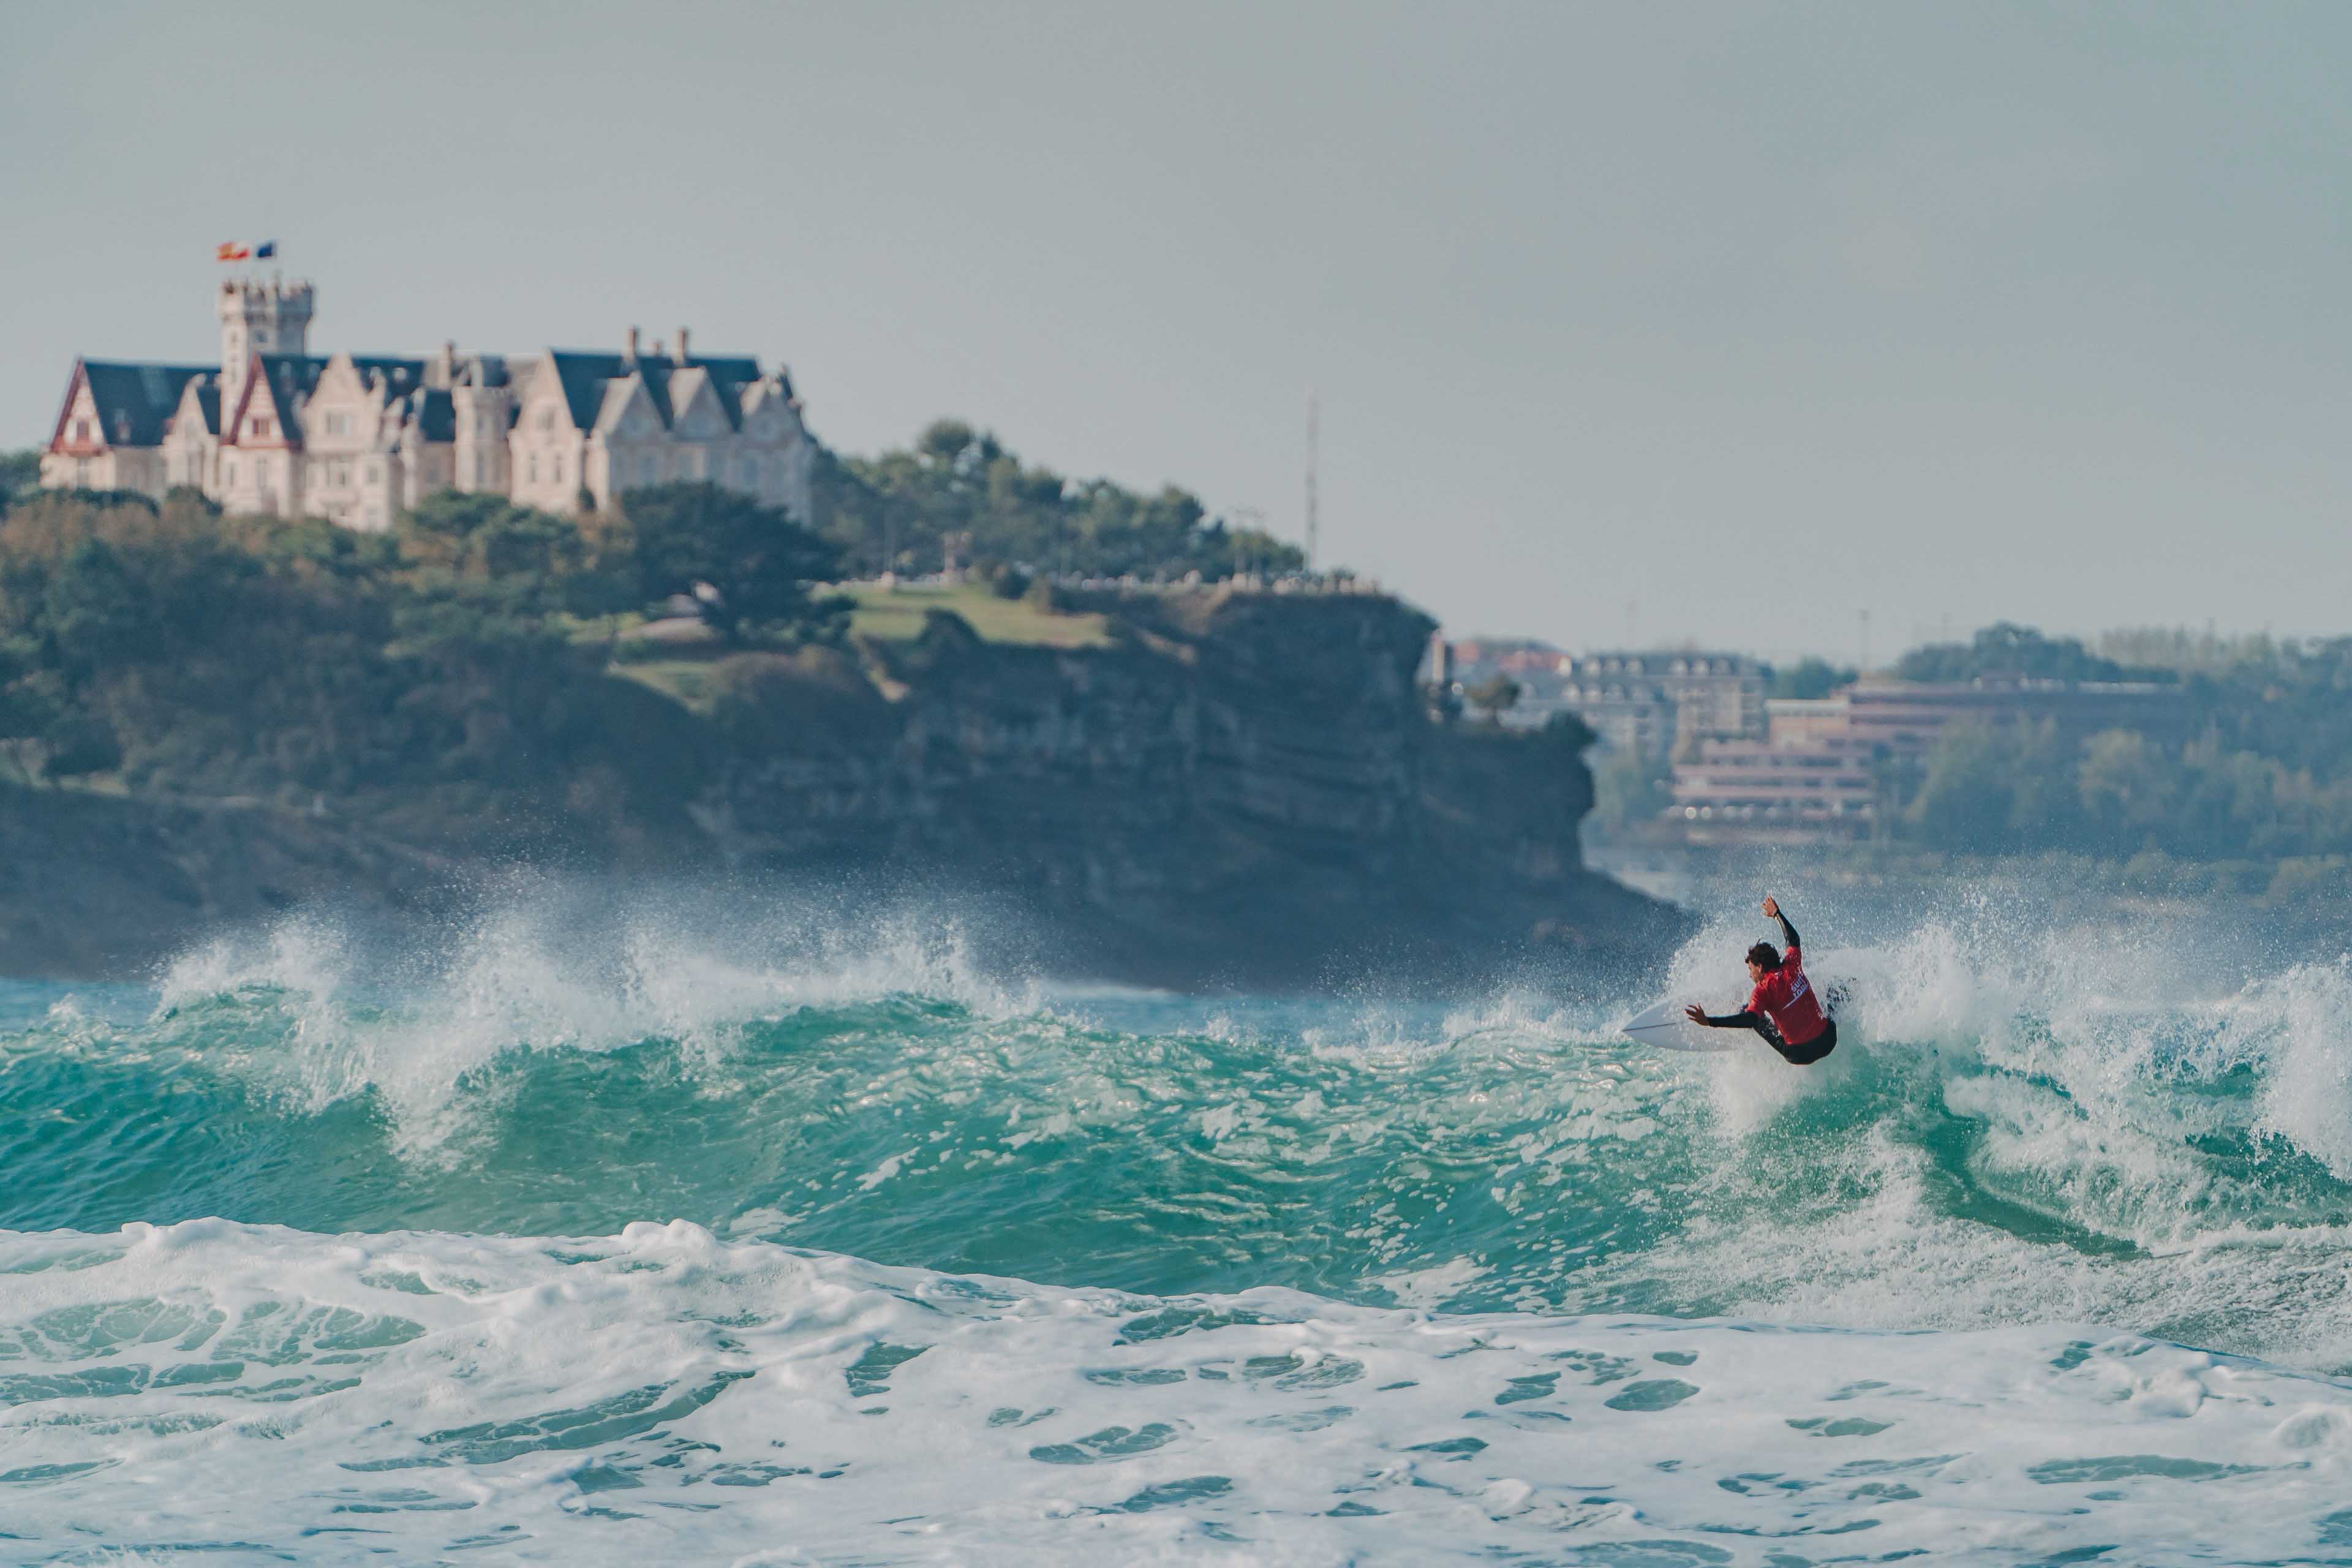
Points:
(633, 1247)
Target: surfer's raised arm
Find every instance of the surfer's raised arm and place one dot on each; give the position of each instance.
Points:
(1788, 931)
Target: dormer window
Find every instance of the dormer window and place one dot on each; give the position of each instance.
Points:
(547, 418)
(81, 429)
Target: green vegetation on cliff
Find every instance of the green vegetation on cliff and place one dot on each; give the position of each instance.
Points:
(1185, 786)
(958, 496)
(433, 679)
(19, 472)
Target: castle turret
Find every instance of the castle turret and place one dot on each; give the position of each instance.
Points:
(259, 318)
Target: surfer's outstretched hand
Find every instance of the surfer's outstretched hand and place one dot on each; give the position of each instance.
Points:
(1772, 908)
(1694, 1013)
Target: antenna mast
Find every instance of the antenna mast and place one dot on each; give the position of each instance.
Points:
(1314, 524)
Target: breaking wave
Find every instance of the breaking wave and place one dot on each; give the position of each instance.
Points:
(934, 1263)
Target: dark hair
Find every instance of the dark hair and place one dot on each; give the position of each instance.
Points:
(1765, 955)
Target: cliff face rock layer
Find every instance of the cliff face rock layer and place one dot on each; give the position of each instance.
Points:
(1241, 789)
(1232, 791)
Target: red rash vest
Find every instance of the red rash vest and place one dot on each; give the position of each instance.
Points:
(1787, 998)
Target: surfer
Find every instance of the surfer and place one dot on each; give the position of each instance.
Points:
(1782, 1008)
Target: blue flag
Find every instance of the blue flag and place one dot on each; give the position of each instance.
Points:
(267, 248)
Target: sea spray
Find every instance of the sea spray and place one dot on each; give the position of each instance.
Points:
(948, 1262)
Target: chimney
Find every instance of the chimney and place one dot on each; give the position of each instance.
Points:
(629, 355)
(681, 345)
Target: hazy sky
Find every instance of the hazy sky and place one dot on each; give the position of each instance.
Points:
(1752, 317)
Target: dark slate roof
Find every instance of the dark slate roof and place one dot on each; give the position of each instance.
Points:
(137, 398)
(584, 376)
(283, 375)
(299, 372)
(208, 405)
(436, 415)
(400, 375)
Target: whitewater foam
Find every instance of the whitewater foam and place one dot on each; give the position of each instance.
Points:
(420, 1394)
(1259, 1279)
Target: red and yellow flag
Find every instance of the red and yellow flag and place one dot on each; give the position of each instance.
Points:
(231, 250)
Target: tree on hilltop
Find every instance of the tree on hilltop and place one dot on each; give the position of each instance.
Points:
(1493, 696)
(1812, 678)
(2006, 649)
(898, 510)
(749, 567)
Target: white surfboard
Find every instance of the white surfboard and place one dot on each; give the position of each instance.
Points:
(1664, 1024)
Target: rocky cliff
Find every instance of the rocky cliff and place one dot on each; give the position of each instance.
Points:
(1237, 790)
(1242, 789)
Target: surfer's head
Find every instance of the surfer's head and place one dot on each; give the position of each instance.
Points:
(1763, 960)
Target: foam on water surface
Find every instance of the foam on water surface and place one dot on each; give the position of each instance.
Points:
(666, 1396)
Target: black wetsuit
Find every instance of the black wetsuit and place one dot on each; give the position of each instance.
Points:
(1806, 1055)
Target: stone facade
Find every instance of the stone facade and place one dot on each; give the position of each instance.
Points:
(356, 439)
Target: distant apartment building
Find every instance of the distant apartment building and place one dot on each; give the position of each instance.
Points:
(1628, 714)
(273, 428)
(1908, 719)
(1833, 766)
(1651, 702)
(1812, 788)
(1657, 702)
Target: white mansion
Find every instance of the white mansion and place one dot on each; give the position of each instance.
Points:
(357, 438)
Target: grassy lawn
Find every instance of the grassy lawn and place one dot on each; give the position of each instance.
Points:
(891, 613)
(598, 628)
(686, 681)
(885, 613)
